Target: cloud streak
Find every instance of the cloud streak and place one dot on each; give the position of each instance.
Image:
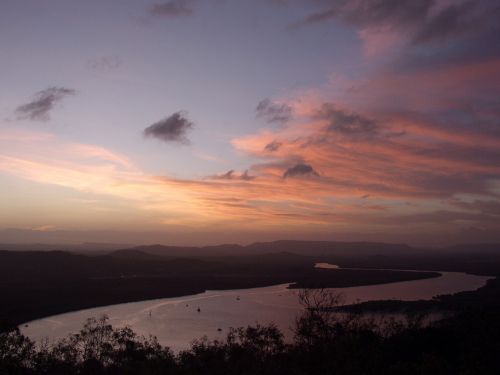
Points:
(332, 203)
(232, 175)
(43, 102)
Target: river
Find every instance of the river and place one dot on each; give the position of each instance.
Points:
(177, 321)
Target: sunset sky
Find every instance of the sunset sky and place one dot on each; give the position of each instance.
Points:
(212, 121)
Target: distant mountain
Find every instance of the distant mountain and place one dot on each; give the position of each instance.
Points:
(307, 248)
(481, 259)
(85, 247)
(186, 251)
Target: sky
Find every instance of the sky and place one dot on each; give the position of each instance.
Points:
(201, 122)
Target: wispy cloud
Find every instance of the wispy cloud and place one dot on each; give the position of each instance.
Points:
(232, 175)
(273, 112)
(237, 200)
(172, 8)
(43, 102)
(105, 63)
(171, 129)
(44, 228)
(348, 124)
(273, 146)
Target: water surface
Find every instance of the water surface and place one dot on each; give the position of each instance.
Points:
(177, 321)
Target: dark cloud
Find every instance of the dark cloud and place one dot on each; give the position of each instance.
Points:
(39, 108)
(273, 146)
(471, 30)
(171, 129)
(231, 175)
(391, 13)
(273, 112)
(473, 18)
(423, 21)
(314, 18)
(173, 8)
(372, 13)
(348, 124)
(454, 19)
(300, 169)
